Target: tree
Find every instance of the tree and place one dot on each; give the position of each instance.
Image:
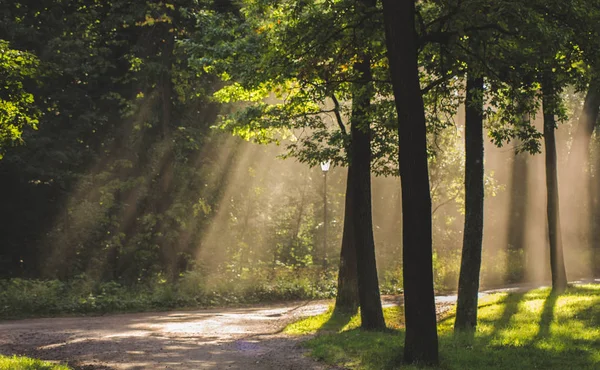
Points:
(468, 285)
(17, 107)
(100, 179)
(557, 263)
(421, 343)
(310, 70)
(371, 313)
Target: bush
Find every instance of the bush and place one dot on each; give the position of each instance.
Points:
(22, 298)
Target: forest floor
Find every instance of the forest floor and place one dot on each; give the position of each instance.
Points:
(227, 338)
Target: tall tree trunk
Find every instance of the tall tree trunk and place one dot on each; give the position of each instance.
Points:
(468, 283)
(557, 263)
(594, 191)
(421, 343)
(517, 215)
(325, 258)
(346, 300)
(371, 313)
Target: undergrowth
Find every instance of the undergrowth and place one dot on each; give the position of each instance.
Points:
(25, 298)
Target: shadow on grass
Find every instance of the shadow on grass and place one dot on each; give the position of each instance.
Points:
(593, 313)
(586, 289)
(511, 308)
(336, 323)
(547, 316)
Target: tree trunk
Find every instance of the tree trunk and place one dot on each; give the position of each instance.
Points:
(421, 343)
(557, 263)
(594, 237)
(346, 300)
(468, 283)
(325, 260)
(517, 215)
(371, 313)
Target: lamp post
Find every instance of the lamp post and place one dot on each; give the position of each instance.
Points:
(325, 169)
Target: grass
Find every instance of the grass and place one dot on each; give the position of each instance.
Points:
(533, 330)
(26, 363)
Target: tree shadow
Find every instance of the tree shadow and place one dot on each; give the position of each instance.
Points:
(547, 316)
(336, 322)
(587, 290)
(511, 307)
(593, 312)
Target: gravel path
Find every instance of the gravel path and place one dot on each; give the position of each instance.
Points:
(225, 338)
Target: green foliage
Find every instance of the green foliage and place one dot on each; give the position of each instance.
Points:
(289, 76)
(23, 298)
(17, 108)
(26, 363)
(517, 330)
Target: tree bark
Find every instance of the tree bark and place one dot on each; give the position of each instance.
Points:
(594, 237)
(516, 219)
(346, 301)
(421, 343)
(371, 313)
(468, 283)
(557, 263)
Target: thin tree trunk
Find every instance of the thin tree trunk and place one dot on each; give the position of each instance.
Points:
(325, 261)
(468, 283)
(594, 237)
(371, 313)
(557, 263)
(516, 218)
(421, 343)
(346, 300)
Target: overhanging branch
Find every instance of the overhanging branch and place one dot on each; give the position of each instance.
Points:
(338, 116)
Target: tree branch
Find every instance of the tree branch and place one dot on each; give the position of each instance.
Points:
(338, 116)
(444, 37)
(434, 84)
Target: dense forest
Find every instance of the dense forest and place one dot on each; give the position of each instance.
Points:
(175, 148)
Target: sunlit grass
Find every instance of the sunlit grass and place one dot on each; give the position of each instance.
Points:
(534, 330)
(330, 323)
(26, 363)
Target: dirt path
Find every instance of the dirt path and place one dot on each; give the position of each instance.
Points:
(226, 338)
(231, 338)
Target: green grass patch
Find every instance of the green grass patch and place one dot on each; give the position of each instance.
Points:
(533, 330)
(329, 322)
(26, 363)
